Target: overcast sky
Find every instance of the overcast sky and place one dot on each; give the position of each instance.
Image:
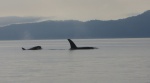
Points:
(74, 9)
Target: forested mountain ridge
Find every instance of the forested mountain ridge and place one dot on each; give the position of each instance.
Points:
(132, 27)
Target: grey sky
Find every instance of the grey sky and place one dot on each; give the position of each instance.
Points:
(74, 9)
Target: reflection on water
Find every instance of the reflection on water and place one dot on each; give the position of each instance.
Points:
(116, 61)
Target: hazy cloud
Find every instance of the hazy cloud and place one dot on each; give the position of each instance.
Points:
(73, 9)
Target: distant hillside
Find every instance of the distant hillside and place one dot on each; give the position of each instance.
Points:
(4, 21)
(132, 27)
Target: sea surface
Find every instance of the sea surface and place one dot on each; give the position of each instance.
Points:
(115, 61)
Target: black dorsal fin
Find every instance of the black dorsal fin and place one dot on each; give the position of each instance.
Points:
(23, 48)
(72, 44)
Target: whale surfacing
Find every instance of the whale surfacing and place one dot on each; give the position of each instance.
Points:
(33, 48)
(74, 47)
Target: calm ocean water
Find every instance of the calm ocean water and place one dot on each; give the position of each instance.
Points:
(116, 61)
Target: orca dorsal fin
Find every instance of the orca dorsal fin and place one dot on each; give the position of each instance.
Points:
(72, 44)
(23, 48)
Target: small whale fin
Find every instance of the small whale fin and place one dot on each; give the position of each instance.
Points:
(23, 48)
(72, 44)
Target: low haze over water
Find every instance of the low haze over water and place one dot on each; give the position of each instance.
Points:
(116, 61)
